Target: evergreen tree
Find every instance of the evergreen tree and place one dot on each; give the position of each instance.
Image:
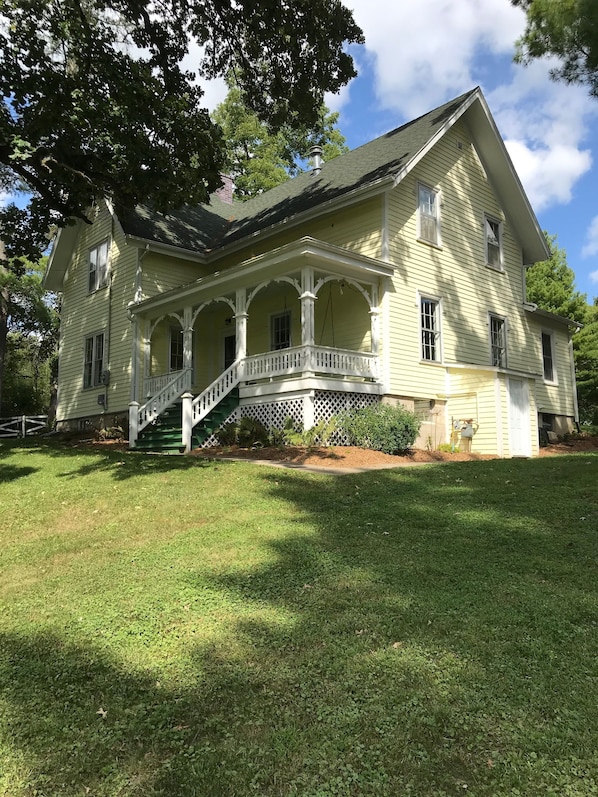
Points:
(259, 158)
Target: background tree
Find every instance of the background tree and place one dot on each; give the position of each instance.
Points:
(28, 328)
(96, 103)
(258, 158)
(567, 29)
(551, 285)
(586, 365)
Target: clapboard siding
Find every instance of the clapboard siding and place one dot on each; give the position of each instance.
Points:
(104, 311)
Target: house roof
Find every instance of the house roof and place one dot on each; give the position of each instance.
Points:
(210, 227)
(208, 231)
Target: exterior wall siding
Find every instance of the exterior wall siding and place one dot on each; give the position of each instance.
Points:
(103, 311)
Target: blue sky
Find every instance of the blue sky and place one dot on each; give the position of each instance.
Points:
(422, 53)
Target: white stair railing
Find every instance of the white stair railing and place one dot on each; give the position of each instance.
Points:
(142, 416)
(195, 410)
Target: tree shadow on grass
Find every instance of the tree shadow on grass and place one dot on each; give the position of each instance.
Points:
(121, 465)
(9, 473)
(419, 632)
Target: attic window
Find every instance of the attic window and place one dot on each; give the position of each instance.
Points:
(98, 266)
(428, 213)
(493, 232)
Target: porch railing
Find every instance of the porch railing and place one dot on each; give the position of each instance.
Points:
(318, 359)
(141, 416)
(154, 384)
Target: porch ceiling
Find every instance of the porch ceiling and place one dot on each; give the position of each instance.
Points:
(284, 260)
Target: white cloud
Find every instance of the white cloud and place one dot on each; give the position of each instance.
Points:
(434, 50)
(594, 276)
(424, 52)
(591, 245)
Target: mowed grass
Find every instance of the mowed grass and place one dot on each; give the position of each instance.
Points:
(171, 626)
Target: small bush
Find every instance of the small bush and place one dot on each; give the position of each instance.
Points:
(247, 433)
(381, 428)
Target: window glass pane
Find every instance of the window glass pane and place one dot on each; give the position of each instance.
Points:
(98, 365)
(176, 349)
(281, 331)
(547, 357)
(429, 329)
(493, 252)
(497, 342)
(428, 214)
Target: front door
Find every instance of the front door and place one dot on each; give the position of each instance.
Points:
(519, 418)
(230, 350)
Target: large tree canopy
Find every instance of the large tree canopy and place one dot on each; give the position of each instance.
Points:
(257, 158)
(97, 104)
(567, 29)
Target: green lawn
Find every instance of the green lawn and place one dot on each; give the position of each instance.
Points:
(172, 626)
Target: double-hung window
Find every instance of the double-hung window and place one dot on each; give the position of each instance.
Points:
(428, 211)
(176, 348)
(93, 367)
(498, 341)
(98, 267)
(280, 331)
(493, 233)
(548, 356)
(430, 329)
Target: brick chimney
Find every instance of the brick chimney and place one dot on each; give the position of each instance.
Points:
(225, 194)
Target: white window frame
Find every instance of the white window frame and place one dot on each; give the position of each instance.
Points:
(494, 317)
(552, 379)
(490, 220)
(436, 331)
(274, 345)
(93, 366)
(98, 266)
(423, 215)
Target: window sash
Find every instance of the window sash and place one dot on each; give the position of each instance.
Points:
(428, 214)
(93, 366)
(176, 349)
(98, 266)
(547, 357)
(280, 331)
(430, 332)
(498, 344)
(493, 244)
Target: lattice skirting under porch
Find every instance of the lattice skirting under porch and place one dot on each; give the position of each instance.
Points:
(273, 414)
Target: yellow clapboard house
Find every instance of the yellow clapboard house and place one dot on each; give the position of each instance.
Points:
(394, 273)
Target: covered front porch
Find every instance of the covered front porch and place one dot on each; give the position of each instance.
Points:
(299, 320)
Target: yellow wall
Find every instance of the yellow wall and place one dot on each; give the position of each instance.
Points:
(84, 314)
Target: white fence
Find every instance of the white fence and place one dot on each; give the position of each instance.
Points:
(22, 425)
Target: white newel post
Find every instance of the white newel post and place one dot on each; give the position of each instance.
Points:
(241, 329)
(308, 299)
(187, 409)
(133, 423)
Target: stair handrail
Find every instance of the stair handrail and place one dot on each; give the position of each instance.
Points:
(214, 393)
(156, 405)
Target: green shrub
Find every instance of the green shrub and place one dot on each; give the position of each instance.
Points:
(247, 433)
(381, 428)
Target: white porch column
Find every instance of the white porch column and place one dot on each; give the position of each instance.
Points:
(308, 299)
(135, 357)
(188, 338)
(147, 357)
(187, 424)
(375, 326)
(309, 415)
(241, 327)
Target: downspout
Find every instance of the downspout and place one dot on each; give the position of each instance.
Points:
(574, 383)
